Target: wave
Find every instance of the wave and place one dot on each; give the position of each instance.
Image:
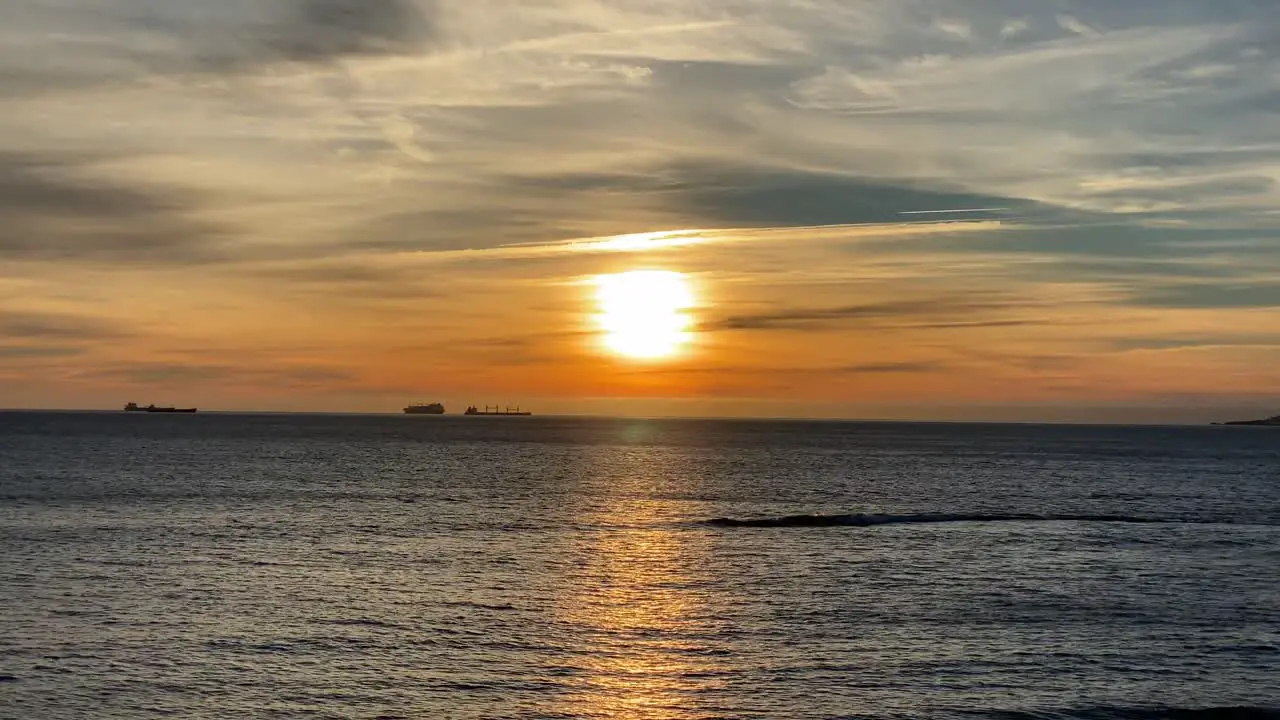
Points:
(478, 605)
(358, 622)
(1234, 712)
(858, 520)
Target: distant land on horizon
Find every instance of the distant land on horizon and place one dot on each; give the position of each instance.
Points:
(1273, 421)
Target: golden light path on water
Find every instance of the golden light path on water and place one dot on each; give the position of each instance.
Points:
(645, 631)
(644, 314)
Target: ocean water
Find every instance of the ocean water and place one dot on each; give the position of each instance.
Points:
(224, 566)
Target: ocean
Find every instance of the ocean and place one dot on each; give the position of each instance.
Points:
(326, 566)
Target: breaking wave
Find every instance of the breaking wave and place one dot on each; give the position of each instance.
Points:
(858, 520)
(1120, 713)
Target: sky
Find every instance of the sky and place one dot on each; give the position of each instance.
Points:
(348, 205)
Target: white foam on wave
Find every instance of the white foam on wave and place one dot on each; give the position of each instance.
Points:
(863, 520)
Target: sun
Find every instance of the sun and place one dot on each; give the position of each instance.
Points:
(643, 312)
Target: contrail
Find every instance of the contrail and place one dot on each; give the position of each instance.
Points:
(935, 212)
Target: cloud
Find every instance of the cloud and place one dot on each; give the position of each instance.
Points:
(1073, 24)
(775, 372)
(460, 181)
(971, 324)
(311, 32)
(894, 368)
(1126, 248)
(713, 194)
(664, 206)
(351, 279)
(924, 312)
(320, 30)
(132, 45)
(957, 29)
(1014, 27)
(1080, 69)
(52, 207)
(18, 324)
(743, 196)
(169, 373)
(1198, 341)
(240, 34)
(1073, 106)
(25, 82)
(1147, 194)
(1211, 295)
(37, 352)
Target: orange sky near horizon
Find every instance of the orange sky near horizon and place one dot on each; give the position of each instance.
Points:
(885, 328)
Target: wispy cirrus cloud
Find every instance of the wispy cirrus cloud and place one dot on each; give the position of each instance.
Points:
(38, 352)
(46, 325)
(137, 38)
(912, 312)
(188, 373)
(54, 208)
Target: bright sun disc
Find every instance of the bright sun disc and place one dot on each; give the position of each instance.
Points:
(642, 312)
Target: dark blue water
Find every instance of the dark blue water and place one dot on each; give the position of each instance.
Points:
(217, 566)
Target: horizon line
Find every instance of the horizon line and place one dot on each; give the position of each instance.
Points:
(726, 418)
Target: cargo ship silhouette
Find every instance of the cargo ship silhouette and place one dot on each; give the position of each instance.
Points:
(134, 407)
(436, 408)
(473, 410)
(424, 409)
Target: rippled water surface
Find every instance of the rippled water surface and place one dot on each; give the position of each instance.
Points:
(219, 566)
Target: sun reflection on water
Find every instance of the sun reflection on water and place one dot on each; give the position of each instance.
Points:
(647, 635)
